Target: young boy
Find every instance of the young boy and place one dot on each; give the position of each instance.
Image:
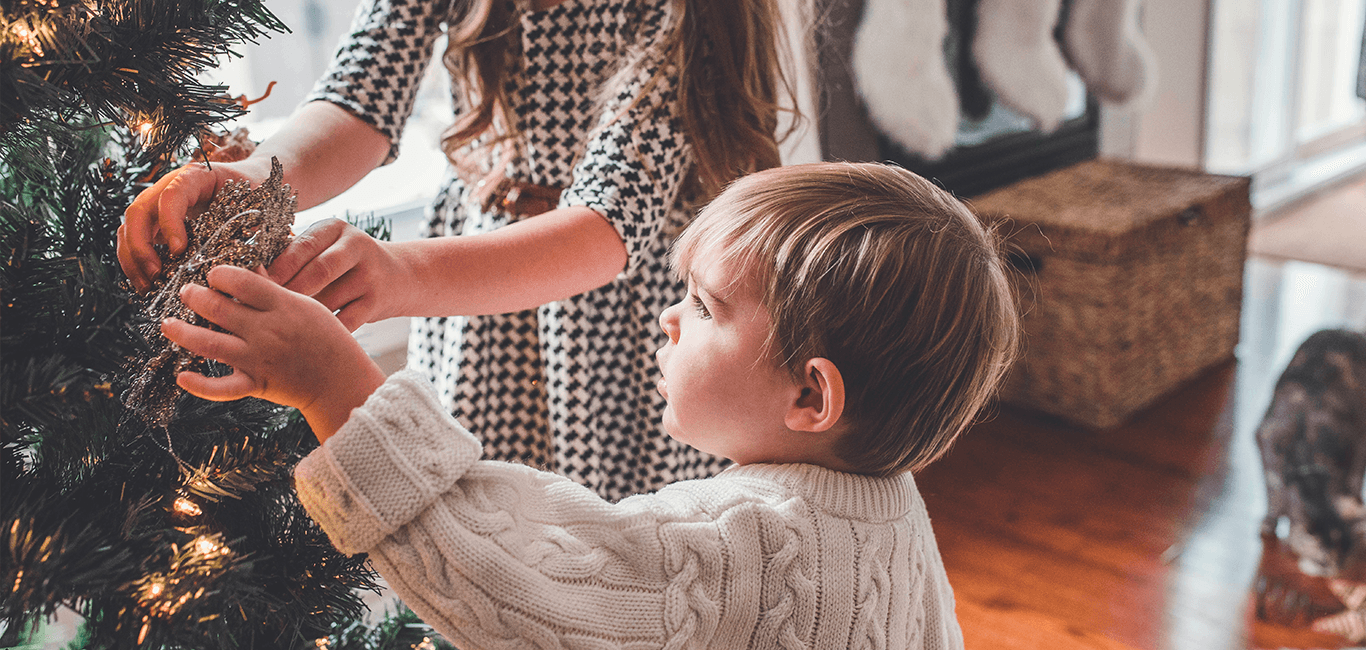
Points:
(844, 323)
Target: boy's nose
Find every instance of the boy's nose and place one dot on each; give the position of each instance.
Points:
(668, 321)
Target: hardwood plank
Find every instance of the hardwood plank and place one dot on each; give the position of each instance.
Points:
(1002, 626)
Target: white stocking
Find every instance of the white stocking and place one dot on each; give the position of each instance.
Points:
(1019, 59)
(899, 71)
(1106, 48)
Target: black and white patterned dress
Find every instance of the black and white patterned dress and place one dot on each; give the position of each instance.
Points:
(569, 386)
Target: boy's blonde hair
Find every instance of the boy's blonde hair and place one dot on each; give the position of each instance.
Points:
(887, 276)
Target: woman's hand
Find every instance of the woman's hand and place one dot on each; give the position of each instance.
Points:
(283, 347)
(348, 271)
(157, 215)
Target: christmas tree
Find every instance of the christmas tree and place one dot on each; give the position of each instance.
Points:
(181, 531)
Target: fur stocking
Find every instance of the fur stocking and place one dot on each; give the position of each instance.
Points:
(1019, 59)
(1106, 48)
(899, 71)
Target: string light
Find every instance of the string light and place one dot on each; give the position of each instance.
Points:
(322, 643)
(187, 507)
(28, 37)
(207, 546)
(165, 595)
(426, 644)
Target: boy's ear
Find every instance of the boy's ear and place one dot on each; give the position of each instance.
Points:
(821, 401)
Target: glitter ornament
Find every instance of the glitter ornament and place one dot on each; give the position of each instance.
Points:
(243, 227)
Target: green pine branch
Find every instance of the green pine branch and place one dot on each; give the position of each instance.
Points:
(129, 63)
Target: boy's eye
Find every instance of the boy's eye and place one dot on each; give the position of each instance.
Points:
(700, 308)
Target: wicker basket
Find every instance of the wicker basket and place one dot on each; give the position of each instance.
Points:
(1131, 279)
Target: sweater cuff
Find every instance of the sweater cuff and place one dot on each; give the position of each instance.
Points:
(396, 454)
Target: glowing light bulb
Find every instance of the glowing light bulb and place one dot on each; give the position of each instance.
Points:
(321, 643)
(145, 128)
(187, 507)
(155, 589)
(207, 546)
(28, 37)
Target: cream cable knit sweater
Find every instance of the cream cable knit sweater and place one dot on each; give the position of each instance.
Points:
(498, 555)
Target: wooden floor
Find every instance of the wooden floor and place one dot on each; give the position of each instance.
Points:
(1144, 536)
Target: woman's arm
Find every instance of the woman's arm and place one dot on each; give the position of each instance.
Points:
(555, 255)
(549, 257)
(324, 149)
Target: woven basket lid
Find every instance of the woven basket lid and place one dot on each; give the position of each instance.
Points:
(1108, 209)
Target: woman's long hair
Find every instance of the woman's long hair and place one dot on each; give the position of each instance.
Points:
(729, 66)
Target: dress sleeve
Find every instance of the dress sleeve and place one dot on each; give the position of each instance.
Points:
(379, 64)
(637, 158)
(490, 552)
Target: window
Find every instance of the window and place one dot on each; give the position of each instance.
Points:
(1283, 103)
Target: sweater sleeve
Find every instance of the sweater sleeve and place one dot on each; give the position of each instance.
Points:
(392, 458)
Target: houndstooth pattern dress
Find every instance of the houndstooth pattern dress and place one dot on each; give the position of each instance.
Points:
(569, 386)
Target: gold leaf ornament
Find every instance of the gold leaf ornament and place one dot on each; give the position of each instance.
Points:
(243, 226)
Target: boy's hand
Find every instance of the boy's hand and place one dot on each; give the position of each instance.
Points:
(283, 347)
(345, 269)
